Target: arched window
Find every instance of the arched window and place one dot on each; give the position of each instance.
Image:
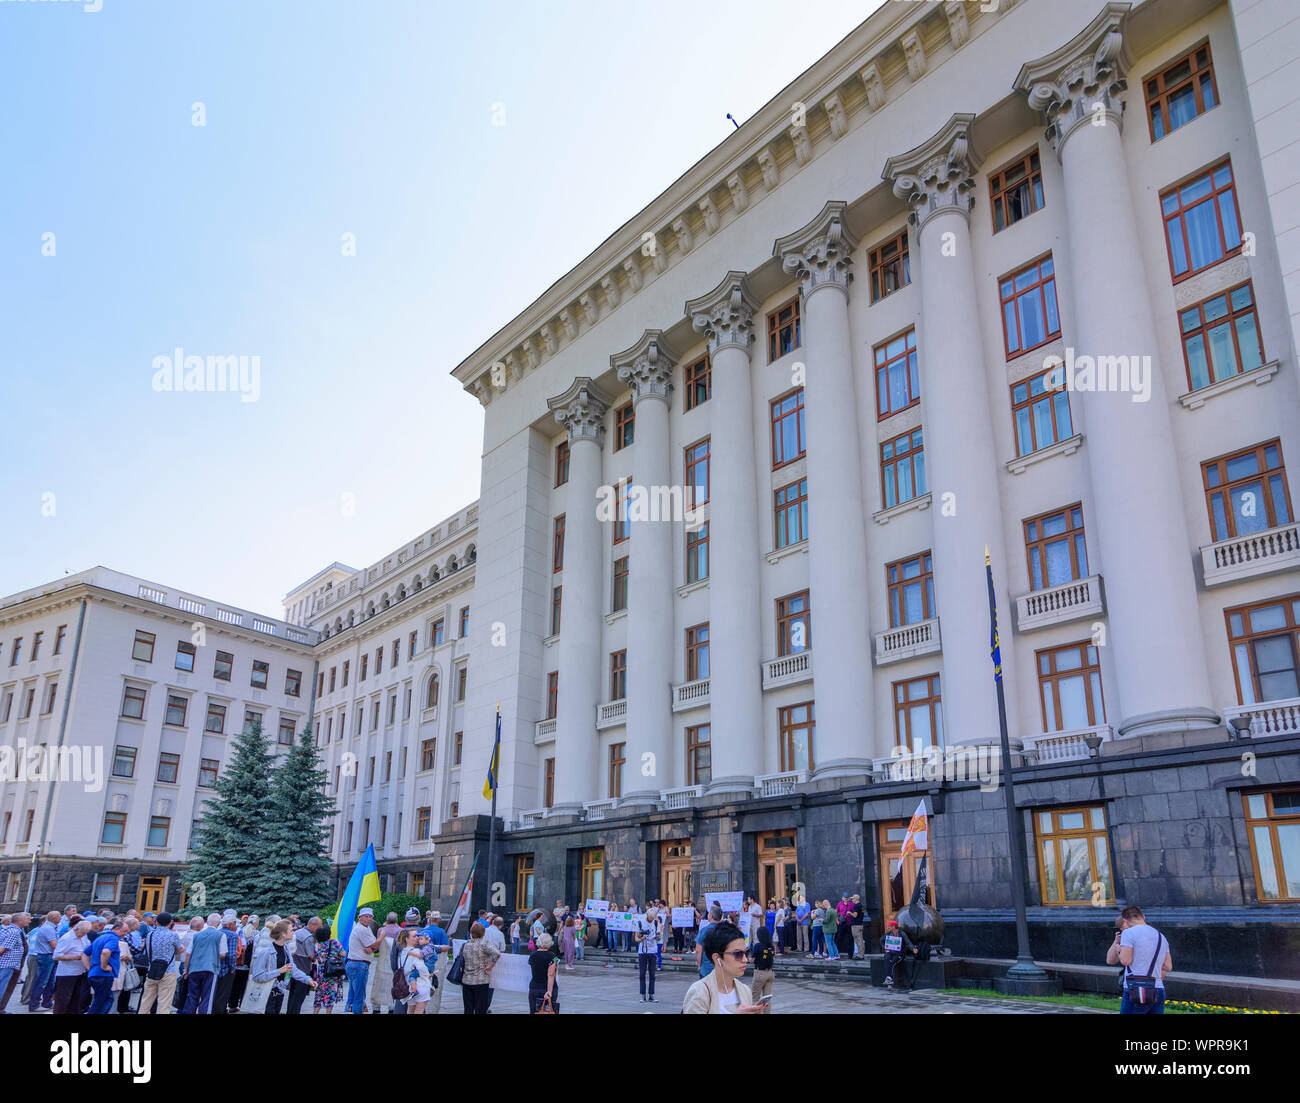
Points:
(431, 694)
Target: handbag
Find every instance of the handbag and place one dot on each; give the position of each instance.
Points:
(1142, 989)
(256, 996)
(457, 969)
(546, 1007)
(130, 978)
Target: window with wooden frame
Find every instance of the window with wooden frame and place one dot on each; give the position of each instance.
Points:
(208, 771)
(1074, 856)
(29, 698)
(428, 753)
(1056, 549)
(347, 830)
(796, 734)
(114, 830)
(557, 602)
(783, 333)
(911, 590)
(1029, 314)
(133, 703)
(379, 661)
(285, 736)
(898, 378)
(1069, 685)
(254, 719)
(392, 709)
(622, 522)
(618, 675)
(557, 545)
(697, 652)
(261, 674)
(1265, 643)
(788, 439)
(699, 755)
(697, 472)
(51, 691)
(141, 650)
(918, 713)
(902, 468)
(333, 677)
(1180, 92)
(1041, 415)
(890, 266)
(397, 653)
(59, 637)
(1247, 492)
(436, 634)
(365, 667)
(697, 553)
(431, 692)
(793, 624)
(412, 645)
(216, 718)
(1273, 823)
(292, 683)
(169, 766)
(617, 759)
(619, 593)
(457, 748)
(562, 463)
(552, 693)
(36, 646)
(1202, 222)
(698, 379)
(593, 871)
(1221, 337)
(374, 716)
(790, 514)
(388, 766)
(8, 706)
(524, 882)
(124, 761)
(1016, 190)
(320, 690)
(185, 657)
(223, 666)
(548, 784)
(423, 821)
(176, 707)
(624, 426)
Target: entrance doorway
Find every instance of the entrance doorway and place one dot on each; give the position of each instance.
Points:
(152, 892)
(778, 870)
(675, 883)
(896, 891)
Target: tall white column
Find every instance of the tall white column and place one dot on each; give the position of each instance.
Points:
(726, 315)
(581, 410)
(961, 457)
(647, 369)
(1138, 505)
(820, 254)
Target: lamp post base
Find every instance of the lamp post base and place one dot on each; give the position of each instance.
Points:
(1025, 978)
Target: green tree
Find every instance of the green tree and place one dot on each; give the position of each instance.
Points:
(293, 845)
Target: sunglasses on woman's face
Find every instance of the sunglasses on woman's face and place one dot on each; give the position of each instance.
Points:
(739, 955)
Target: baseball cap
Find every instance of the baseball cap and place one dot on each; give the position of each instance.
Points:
(892, 923)
(435, 915)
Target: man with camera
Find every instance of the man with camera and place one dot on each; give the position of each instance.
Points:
(1144, 952)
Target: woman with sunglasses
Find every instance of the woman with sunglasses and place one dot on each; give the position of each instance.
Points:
(721, 993)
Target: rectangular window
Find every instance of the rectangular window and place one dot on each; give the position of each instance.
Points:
(918, 713)
(285, 736)
(898, 379)
(464, 622)
(1055, 545)
(1073, 856)
(114, 832)
(333, 677)
(347, 831)
(370, 773)
(1016, 191)
(788, 439)
(374, 716)
(697, 472)
(619, 594)
(253, 720)
(698, 379)
(1069, 682)
(292, 683)
(1180, 93)
(697, 556)
(1221, 337)
(902, 468)
(29, 698)
(1202, 223)
(412, 645)
(783, 334)
(557, 601)
(624, 425)
(593, 872)
(224, 664)
(423, 821)
(320, 689)
(1273, 822)
(1247, 491)
(796, 724)
(617, 757)
(105, 889)
(548, 784)
(462, 677)
(562, 463)
(216, 718)
(1029, 315)
(8, 706)
(141, 650)
(347, 666)
(379, 661)
(428, 754)
(552, 693)
(911, 590)
(457, 748)
(208, 770)
(36, 646)
(176, 707)
(618, 675)
(523, 882)
(891, 267)
(790, 514)
(124, 761)
(169, 766)
(402, 768)
(261, 674)
(397, 653)
(557, 545)
(1265, 642)
(59, 636)
(392, 708)
(365, 667)
(185, 657)
(437, 632)
(622, 522)
(1041, 415)
(793, 624)
(388, 766)
(697, 652)
(51, 691)
(699, 756)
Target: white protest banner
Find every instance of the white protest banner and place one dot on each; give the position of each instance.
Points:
(510, 974)
(727, 901)
(596, 909)
(683, 917)
(621, 921)
(742, 921)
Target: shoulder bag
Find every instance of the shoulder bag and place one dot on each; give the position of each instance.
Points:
(1142, 989)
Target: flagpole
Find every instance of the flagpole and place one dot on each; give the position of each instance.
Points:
(1024, 976)
(496, 784)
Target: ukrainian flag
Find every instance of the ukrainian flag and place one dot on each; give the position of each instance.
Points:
(995, 645)
(494, 769)
(363, 888)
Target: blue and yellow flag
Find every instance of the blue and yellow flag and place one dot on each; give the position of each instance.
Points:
(494, 768)
(363, 888)
(995, 649)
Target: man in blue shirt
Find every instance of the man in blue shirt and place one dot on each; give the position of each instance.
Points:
(801, 913)
(207, 948)
(105, 960)
(41, 943)
(226, 973)
(705, 965)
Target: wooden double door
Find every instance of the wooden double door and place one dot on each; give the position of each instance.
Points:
(675, 882)
(778, 865)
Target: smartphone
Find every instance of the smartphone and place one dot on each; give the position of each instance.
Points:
(764, 1000)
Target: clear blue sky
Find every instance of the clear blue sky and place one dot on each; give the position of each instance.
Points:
(323, 118)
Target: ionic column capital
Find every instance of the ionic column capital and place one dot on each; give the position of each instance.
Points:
(938, 176)
(820, 254)
(726, 314)
(581, 410)
(647, 367)
(1081, 82)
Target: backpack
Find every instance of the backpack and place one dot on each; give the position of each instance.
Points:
(335, 962)
(401, 988)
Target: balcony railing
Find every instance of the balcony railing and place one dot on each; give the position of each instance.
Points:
(680, 798)
(788, 670)
(1065, 746)
(611, 714)
(779, 785)
(1255, 554)
(1073, 600)
(1269, 718)
(907, 642)
(691, 695)
(545, 731)
(596, 809)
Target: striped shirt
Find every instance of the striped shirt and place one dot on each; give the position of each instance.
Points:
(11, 946)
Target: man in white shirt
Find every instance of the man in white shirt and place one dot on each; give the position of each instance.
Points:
(1143, 951)
(646, 936)
(494, 936)
(362, 947)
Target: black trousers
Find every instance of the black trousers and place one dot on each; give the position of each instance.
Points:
(238, 988)
(297, 993)
(178, 1002)
(899, 967)
(273, 1002)
(67, 994)
(221, 994)
(645, 963)
(536, 995)
(477, 998)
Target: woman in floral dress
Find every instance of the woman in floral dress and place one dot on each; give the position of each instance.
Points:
(329, 989)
